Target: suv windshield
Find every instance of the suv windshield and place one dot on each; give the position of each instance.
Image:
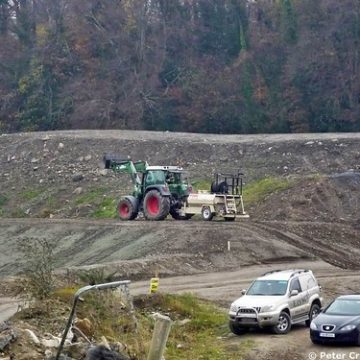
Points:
(344, 307)
(268, 287)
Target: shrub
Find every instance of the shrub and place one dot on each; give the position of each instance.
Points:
(37, 262)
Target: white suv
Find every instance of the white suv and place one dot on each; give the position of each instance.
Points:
(277, 299)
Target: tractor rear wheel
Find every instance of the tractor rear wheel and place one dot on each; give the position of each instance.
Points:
(178, 216)
(126, 210)
(156, 207)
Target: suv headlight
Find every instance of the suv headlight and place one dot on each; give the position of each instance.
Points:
(267, 308)
(313, 326)
(348, 327)
(233, 308)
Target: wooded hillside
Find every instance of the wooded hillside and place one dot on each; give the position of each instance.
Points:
(222, 66)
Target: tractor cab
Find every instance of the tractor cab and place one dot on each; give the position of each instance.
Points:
(178, 183)
(172, 177)
(153, 177)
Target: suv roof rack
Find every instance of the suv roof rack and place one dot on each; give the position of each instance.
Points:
(298, 271)
(294, 271)
(271, 272)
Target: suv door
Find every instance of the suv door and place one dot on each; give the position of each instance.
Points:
(309, 286)
(297, 303)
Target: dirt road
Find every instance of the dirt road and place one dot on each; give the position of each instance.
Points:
(166, 136)
(225, 286)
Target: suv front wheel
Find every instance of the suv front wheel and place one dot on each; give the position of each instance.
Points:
(236, 329)
(284, 324)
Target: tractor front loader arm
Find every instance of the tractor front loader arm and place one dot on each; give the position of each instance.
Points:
(126, 166)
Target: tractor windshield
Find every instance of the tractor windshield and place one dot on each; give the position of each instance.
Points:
(155, 177)
(178, 183)
(174, 178)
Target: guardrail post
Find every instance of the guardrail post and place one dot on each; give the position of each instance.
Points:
(160, 336)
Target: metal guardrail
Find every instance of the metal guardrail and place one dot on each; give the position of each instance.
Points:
(111, 285)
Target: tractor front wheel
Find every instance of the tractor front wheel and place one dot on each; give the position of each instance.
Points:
(156, 207)
(126, 210)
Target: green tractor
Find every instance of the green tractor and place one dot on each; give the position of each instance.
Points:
(158, 190)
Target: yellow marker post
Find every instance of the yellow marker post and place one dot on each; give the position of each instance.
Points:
(154, 285)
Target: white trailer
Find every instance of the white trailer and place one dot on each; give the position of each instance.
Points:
(209, 205)
(224, 200)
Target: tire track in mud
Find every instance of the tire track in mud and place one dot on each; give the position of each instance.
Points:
(175, 244)
(82, 242)
(341, 256)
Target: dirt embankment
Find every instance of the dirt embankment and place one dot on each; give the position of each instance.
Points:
(140, 248)
(45, 174)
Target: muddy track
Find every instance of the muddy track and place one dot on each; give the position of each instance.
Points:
(339, 255)
(175, 247)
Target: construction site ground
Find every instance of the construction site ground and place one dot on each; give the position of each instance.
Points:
(312, 223)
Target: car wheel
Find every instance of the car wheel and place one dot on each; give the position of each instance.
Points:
(284, 324)
(314, 312)
(236, 329)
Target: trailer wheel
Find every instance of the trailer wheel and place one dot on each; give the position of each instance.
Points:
(156, 207)
(206, 213)
(126, 210)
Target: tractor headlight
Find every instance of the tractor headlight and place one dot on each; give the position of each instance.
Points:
(313, 326)
(349, 327)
